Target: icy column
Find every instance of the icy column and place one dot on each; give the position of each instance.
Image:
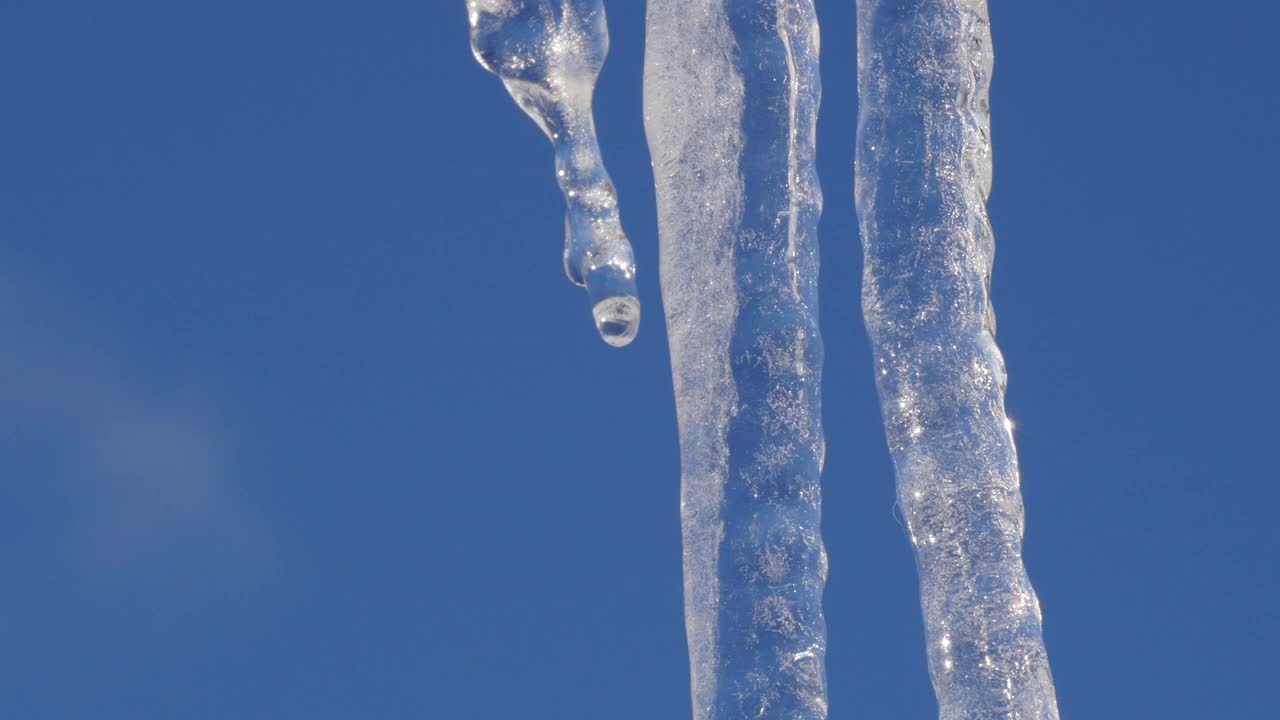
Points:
(549, 54)
(923, 176)
(731, 98)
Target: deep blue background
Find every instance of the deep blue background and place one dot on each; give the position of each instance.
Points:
(299, 417)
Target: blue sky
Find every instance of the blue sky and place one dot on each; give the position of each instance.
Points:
(300, 418)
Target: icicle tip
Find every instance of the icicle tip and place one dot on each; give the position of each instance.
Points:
(615, 304)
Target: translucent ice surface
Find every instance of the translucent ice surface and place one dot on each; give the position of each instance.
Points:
(923, 176)
(549, 54)
(731, 97)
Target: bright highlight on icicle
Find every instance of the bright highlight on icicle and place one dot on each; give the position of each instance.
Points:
(923, 176)
(731, 101)
(549, 54)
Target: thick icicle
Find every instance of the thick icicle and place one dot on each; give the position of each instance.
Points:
(731, 99)
(923, 176)
(549, 54)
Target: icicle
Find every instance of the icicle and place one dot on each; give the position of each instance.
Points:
(923, 176)
(549, 54)
(731, 98)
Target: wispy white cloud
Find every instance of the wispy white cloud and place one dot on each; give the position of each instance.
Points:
(128, 482)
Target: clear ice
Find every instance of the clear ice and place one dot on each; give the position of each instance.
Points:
(731, 96)
(549, 53)
(923, 177)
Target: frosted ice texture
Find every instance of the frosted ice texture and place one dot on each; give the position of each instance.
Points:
(731, 97)
(549, 54)
(923, 176)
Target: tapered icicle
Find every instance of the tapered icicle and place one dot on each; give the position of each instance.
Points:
(549, 54)
(731, 99)
(923, 176)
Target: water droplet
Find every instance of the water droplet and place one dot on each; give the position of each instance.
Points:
(615, 303)
(618, 320)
